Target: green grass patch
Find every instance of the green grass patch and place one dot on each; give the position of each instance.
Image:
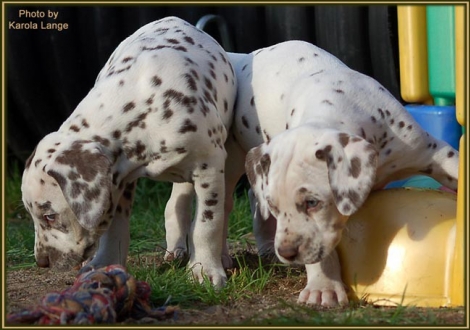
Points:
(255, 294)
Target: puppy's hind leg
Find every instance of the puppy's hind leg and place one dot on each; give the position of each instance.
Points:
(206, 236)
(444, 166)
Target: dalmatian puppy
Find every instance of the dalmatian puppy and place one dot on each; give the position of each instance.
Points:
(160, 109)
(318, 138)
(321, 137)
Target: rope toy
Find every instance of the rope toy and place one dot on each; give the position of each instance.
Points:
(104, 295)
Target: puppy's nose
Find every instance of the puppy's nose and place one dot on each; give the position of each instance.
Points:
(288, 252)
(42, 262)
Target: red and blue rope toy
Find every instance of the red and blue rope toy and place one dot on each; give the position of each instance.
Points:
(104, 295)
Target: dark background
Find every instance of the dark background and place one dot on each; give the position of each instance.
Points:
(49, 72)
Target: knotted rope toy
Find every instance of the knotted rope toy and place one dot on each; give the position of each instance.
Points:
(104, 295)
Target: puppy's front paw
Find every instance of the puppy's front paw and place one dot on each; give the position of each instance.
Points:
(178, 254)
(324, 286)
(326, 297)
(215, 274)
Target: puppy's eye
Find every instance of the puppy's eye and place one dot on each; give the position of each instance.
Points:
(311, 204)
(49, 217)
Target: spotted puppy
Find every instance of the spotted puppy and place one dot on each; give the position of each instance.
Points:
(159, 109)
(322, 137)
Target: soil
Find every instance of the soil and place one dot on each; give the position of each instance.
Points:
(25, 288)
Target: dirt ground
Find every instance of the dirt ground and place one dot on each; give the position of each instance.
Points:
(25, 288)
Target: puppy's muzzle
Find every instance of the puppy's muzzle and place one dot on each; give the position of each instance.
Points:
(42, 262)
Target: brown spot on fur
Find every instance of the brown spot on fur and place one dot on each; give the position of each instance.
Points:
(173, 41)
(191, 82)
(343, 139)
(101, 140)
(156, 81)
(427, 170)
(188, 126)
(129, 106)
(382, 114)
(189, 40)
(211, 202)
(86, 163)
(245, 122)
(355, 167)
(167, 114)
(208, 214)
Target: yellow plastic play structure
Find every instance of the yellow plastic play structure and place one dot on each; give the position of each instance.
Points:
(407, 245)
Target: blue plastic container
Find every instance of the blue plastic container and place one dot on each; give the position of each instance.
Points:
(440, 122)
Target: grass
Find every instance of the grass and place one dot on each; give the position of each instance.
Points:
(255, 294)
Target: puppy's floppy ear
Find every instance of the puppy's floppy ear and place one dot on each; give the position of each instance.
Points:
(257, 166)
(352, 166)
(83, 173)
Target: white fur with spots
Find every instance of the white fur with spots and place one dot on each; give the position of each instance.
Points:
(318, 138)
(160, 108)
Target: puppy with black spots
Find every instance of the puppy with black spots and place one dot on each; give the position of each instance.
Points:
(160, 108)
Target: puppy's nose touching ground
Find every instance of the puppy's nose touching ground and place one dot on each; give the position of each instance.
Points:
(288, 251)
(42, 262)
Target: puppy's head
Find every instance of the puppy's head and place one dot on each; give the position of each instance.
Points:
(311, 180)
(66, 188)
